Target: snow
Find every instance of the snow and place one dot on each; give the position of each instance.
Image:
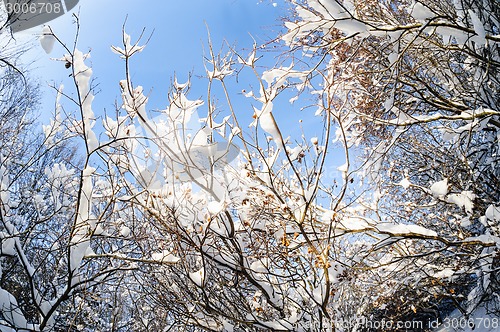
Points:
(129, 48)
(393, 57)
(77, 253)
(82, 72)
(295, 152)
(278, 325)
(215, 207)
(165, 256)
(218, 227)
(249, 62)
(12, 245)
(83, 75)
(47, 39)
(493, 213)
(448, 32)
(180, 109)
(465, 115)
(319, 293)
(268, 124)
(135, 102)
(180, 86)
(274, 295)
(444, 274)
(89, 252)
(198, 277)
(351, 27)
(55, 124)
(464, 199)
(8, 244)
(421, 13)
(328, 216)
(10, 310)
(221, 69)
(258, 267)
(280, 75)
(80, 242)
(344, 169)
(328, 8)
(400, 229)
(4, 188)
(99, 230)
(235, 131)
(147, 177)
(352, 224)
(405, 183)
(228, 327)
(486, 239)
(478, 28)
(440, 189)
(125, 231)
(86, 197)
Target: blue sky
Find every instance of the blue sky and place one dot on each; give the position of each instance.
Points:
(179, 35)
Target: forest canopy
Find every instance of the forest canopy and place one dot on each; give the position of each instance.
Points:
(212, 215)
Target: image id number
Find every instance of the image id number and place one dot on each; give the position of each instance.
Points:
(33, 8)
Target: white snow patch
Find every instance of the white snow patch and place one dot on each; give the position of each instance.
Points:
(485, 239)
(258, 267)
(398, 229)
(165, 256)
(125, 231)
(214, 207)
(405, 183)
(319, 293)
(440, 188)
(464, 200)
(198, 277)
(444, 274)
(8, 244)
(493, 213)
(47, 39)
(421, 13)
(11, 311)
(478, 28)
